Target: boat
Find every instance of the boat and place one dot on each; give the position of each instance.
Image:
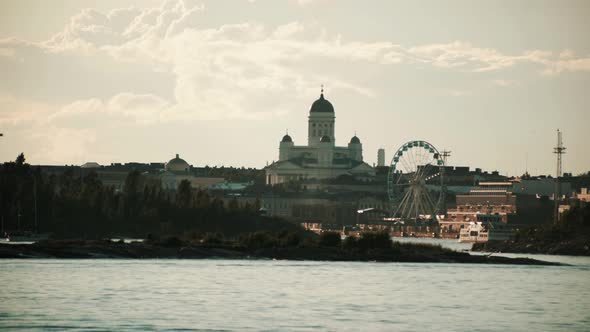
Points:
(482, 231)
(23, 237)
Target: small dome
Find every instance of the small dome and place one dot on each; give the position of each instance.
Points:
(90, 164)
(325, 139)
(322, 106)
(177, 165)
(287, 139)
(355, 140)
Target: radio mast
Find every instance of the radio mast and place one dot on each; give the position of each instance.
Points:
(558, 150)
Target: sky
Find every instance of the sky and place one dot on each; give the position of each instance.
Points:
(220, 82)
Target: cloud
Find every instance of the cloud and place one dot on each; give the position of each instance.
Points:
(147, 66)
(505, 83)
(133, 48)
(118, 111)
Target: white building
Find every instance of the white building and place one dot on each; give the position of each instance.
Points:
(320, 158)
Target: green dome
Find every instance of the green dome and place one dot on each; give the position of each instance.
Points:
(355, 140)
(322, 106)
(287, 139)
(177, 165)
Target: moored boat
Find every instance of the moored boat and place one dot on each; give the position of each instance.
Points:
(23, 236)
(482, 231)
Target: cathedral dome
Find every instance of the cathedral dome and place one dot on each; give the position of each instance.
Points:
(321, 106)
(325, 139)
(287, 139)
(177, 165)
(355, 140)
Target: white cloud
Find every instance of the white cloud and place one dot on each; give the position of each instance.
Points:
(249, 59)
(505, 83)
(160, 65)
(121, 109)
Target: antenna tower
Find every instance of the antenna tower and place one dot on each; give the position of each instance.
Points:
(558, 150)
(445, 155)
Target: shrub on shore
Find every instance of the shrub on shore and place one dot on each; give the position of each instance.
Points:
(330, 239)
(258, 240)
(369, 240)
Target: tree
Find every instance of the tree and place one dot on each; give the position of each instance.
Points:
(233, 204)
(184, 194)
(20, 160)
(132, 183)
(91, 189)
(330, 239)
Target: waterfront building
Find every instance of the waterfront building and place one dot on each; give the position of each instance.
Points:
(489, 201)
(584, 195)
(321, 158)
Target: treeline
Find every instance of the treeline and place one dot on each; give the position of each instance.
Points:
(73, 206)
(570, 236)
(574, 224)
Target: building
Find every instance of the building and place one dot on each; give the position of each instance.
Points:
(380, 157)
(320, 158)
(490, 201)
(177, 169)
(584, 195)
(540, 186)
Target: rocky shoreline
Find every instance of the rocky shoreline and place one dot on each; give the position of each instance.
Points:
(572, 247)
(116, 250)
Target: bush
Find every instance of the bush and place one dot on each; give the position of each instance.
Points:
(259, 240)
(291, 239)
(380, 240)
(330, 239)
(212, 238)
(350, 242)
(171, 241)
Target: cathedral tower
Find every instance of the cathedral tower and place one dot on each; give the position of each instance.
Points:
(321, 121)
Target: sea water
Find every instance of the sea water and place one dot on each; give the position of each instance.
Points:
(254, 295)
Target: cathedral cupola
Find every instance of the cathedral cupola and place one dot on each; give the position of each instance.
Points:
(287, 139)
(322, 105)
(321, 121)
(355, 148)
(285, 147)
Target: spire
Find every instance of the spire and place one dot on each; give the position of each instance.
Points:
(322, 92)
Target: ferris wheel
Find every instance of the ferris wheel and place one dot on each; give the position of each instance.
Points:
(415, 182)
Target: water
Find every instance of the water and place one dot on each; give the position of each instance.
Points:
(253, 295)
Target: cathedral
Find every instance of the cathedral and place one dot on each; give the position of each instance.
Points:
(320, 158)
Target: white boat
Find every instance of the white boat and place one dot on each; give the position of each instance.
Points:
(482, 231)
(23, 237)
